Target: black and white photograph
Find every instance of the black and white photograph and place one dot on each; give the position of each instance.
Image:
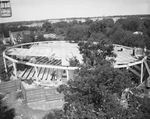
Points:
(74, 59)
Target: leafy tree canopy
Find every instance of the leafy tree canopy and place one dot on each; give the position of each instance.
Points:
(5, 112)
(47, 27)
(132, 23)
(91, 94)
(93, 52)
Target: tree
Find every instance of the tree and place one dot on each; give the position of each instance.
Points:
(77, 33)
(97, 26)
(127, 38)
(108, 22)
(74, 62)
(95, 94)
(88, 21)
(132, 23)
(97, 37)
(47, 27)
(111, 31)
(147, 41)
(4, 29)
(26, 38)
(146, 22)
(40, 37)
(5, 112)
(94, 52)
(91, 94)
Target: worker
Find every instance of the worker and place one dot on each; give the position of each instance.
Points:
(53, 76)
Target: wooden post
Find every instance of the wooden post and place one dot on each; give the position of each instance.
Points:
(147, 67)
(5, 66)
(36, 72)
(127, 67)
(67, 72)
(15, 69)
(141, 72)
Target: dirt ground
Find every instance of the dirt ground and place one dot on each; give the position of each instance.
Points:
(22, 111)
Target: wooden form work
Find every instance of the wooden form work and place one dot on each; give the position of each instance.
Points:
(44, 52)
(45, 63)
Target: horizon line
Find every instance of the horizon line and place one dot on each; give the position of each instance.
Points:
(77, 18)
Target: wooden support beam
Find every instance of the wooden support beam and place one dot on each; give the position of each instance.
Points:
(5, 66)
(36, 72)
(141, 73)
(15, 69)
(67, 72)
(41, 65)
(135, 72)
(4, 60)
(147, 67)
(127, 67)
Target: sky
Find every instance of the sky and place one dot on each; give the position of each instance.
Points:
(25, 10)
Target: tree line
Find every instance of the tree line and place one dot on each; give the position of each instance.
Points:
(131, 31)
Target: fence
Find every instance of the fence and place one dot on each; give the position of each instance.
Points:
(10, 86)
(40, 94)
(36, 98)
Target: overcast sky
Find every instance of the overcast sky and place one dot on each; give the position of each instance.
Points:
(23, 10)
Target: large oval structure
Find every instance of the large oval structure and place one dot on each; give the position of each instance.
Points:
(40, 59)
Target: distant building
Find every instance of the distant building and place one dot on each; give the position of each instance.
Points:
(138, 32)
(35, 25)
(51, 35)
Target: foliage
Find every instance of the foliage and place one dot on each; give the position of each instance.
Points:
(4, 30)
(74, 62)
(5, 112)
(93, 52)
(97, 26)
(96, 37)
(108, 22)
(77, 33)
(47, 27)
(56, 114)
(90, 95)
(60, 31)
(119, 32)
(132, 24)
(28, 38)
(127, 38)
(95, 92)
(88, 21)
(2, 48)
(40, 37)
(5, 76)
